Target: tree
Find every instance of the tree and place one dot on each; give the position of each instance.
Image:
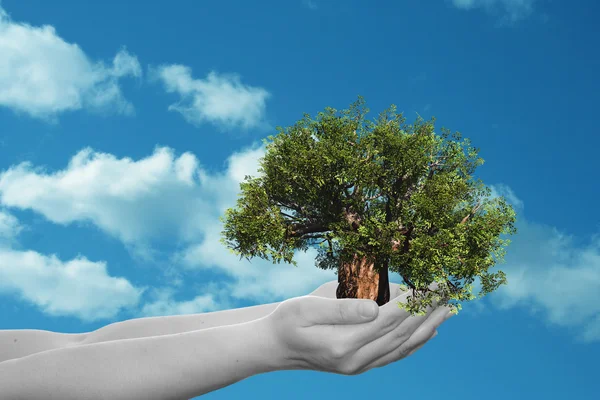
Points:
(375, 196)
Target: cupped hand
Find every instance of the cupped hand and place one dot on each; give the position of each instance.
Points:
(349, 336)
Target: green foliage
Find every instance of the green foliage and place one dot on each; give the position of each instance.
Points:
(410, 192)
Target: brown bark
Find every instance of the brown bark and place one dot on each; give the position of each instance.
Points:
(359, 279)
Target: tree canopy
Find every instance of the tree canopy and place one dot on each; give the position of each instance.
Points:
(395, 193)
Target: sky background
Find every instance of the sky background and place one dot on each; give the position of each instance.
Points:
(127, 126)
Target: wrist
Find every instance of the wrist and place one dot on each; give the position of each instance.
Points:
(260, 343)
(282, 356)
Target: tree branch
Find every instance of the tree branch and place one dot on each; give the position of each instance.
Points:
(324, 237)
(291, 206)
(419, 185)
(376, 196)
(297, 230)
(454, 288)
(290, 216)
(357, 193)
(472, 213)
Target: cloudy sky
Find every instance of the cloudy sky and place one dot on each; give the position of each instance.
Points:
(125, 131)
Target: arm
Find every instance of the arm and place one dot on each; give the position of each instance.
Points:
(155, 326)
(21, 343)
(307, 332)
(167, 325)
(16, 343)
(179, 366)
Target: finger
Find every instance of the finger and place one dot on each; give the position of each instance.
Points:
(391, 315)
(349, 311)
(426, 331)
(395, 290)
(397, 354)
(326, 290)
(404, 350)
(324, 311)
(423, 344)
(413, 325)
(389, 318)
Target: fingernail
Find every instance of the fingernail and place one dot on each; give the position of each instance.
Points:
(368, 309)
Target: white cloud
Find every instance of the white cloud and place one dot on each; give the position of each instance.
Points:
(259, 280)
(310, 4)
(548, 273)
(506, 192)
(43, 75)
(220, 99)
(164, 304)
(78, 288)
(514, 10)
(9, 227)
(162, 301)
(134, 201)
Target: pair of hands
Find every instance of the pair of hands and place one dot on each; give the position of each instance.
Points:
(350, 336)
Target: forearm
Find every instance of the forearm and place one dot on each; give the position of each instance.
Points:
(179, 366)
(167, 325)
(23, 342)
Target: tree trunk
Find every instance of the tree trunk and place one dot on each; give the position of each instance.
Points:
(360, 280)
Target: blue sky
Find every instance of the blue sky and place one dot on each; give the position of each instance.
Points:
(126, 128)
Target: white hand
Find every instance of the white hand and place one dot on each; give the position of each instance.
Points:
(328, 290)
(331, 335)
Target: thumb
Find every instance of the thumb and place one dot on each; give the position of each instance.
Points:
(343, 311)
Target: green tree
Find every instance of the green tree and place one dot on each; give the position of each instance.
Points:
(375, 196)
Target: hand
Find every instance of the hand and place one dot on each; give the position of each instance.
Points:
(332, 335)
(328, 290)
